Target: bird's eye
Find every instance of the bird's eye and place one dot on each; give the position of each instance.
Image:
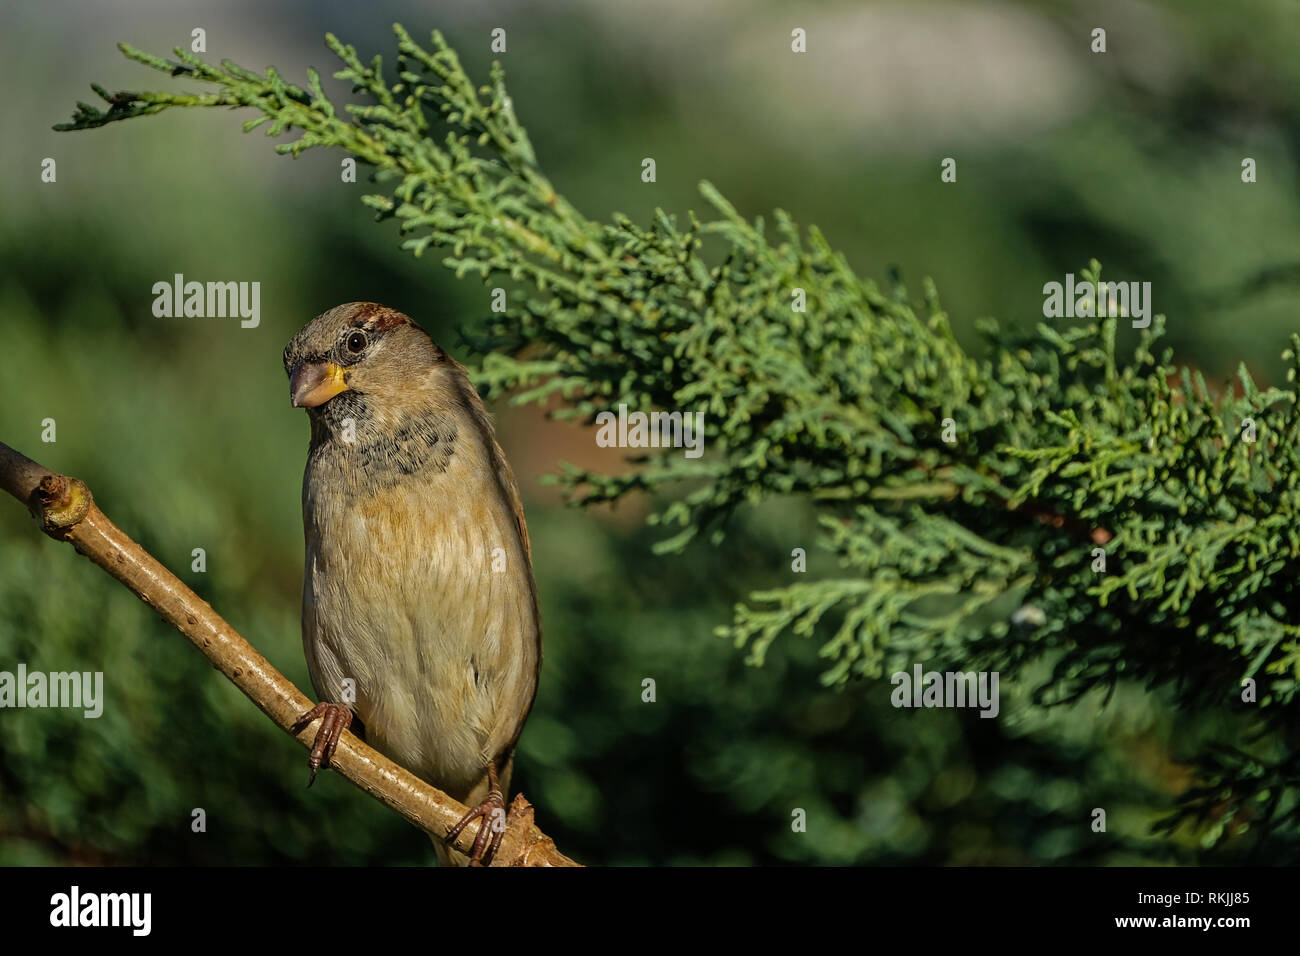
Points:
(357, 342)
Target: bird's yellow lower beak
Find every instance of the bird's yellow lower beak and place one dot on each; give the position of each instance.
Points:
(315, 383)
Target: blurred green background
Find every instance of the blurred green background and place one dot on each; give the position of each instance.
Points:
(183, 429)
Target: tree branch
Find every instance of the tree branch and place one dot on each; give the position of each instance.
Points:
(67, 512)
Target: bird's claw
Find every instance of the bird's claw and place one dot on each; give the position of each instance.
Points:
(492, 811)
(335, 718)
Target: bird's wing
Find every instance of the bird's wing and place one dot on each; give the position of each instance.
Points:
(500, 467)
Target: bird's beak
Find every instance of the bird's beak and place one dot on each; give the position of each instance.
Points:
(315, 383)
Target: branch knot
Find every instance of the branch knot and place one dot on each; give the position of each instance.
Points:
(60, 503)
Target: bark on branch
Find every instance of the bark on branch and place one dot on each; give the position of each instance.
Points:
(67, 512)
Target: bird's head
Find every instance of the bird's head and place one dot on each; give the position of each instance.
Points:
(362, 348)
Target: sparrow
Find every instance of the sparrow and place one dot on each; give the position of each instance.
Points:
(420, 620)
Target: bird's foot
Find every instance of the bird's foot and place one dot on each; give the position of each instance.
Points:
(492, 811)
(335, 718)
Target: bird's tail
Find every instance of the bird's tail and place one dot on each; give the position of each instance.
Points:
(447, 856)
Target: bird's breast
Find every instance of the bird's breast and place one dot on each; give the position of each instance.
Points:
(418, 590)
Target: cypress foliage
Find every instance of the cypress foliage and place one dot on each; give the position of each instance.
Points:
(1052, 501)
